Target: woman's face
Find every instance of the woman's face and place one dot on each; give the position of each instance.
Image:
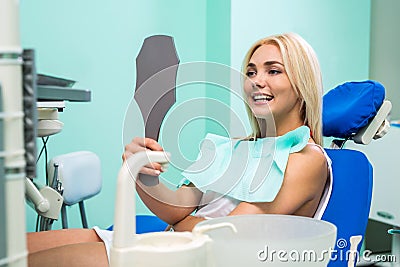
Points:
(267, 87)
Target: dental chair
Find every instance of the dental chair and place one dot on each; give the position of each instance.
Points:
(353, 111)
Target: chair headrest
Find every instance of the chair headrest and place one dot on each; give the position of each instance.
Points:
(351, 106)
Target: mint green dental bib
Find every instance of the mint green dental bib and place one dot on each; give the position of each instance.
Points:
(249, 171)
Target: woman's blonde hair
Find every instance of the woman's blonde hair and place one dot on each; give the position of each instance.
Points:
(302, 68)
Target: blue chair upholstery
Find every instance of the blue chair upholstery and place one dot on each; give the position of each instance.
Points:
(147, 224)
(350, 106)
(349, 205)
(346, 109)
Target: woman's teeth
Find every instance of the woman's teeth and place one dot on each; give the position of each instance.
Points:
(262, 98)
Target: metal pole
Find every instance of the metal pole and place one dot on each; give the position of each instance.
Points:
(3, 232)
(14, 161)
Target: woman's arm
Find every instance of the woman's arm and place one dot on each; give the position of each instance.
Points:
(187, 224)
(301, 191)
(170, 206)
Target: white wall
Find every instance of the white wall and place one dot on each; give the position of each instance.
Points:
(385, 55)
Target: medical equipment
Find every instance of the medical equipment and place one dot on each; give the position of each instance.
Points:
(3, 239)
(18, 137)
(51, 94)
(17, 75)
(13, 244)
(17, 152)
(44, 199)
(41, 120)
(77, 168)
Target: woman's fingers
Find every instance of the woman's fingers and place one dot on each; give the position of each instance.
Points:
(150, 171)
(154, 165)
(147, 143)
(142, 144)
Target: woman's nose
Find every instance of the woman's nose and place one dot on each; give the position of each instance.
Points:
(258, 82)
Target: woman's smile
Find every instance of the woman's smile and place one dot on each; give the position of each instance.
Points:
(260, 98)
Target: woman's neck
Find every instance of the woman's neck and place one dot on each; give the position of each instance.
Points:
(271, 128)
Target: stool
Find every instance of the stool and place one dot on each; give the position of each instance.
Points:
(80, 176)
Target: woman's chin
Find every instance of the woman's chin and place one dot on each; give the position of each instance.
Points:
(264, 115)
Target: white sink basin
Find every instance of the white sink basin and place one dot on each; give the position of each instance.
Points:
(271, 240)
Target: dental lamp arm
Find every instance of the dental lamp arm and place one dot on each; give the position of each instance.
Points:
(46, 200)
(41, 204)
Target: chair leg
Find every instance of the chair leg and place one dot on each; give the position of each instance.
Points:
(83, 214)
(64, 219)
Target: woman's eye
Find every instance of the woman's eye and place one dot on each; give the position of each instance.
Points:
(250, 73)
(274, 72)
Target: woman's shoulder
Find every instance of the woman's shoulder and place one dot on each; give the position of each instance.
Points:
(311, 153)
(310, 161)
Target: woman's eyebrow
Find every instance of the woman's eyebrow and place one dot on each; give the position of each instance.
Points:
(266, 63)
(269, 63)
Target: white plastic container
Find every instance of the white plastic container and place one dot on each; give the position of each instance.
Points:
(163, 249)
(271, 240)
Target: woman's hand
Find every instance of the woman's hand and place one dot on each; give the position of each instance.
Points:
(141, 144)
